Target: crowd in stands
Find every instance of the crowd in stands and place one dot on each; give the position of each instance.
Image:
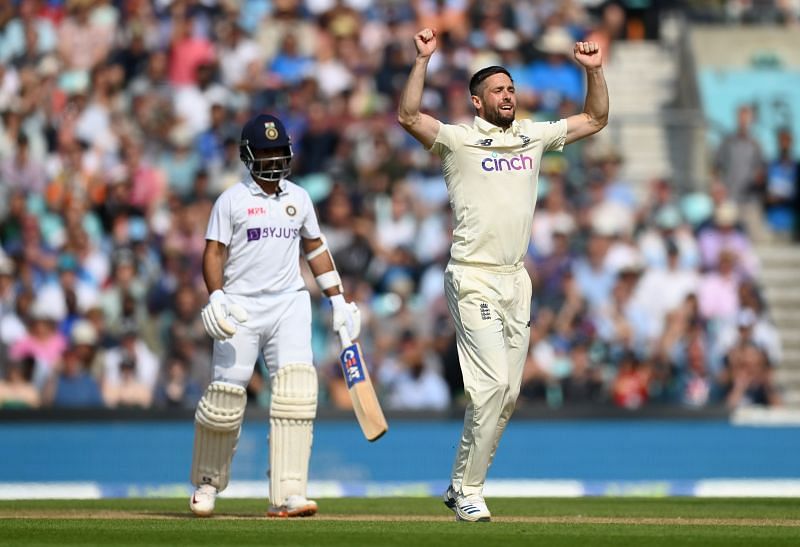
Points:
(119, 127)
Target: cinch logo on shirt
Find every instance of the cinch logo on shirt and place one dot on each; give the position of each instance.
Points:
(514, 163)
(256, 211)
(254, 234)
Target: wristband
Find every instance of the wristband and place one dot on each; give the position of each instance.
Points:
(329, 280)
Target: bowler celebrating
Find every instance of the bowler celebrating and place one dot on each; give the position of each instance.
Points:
(258, 303)
(491, 169)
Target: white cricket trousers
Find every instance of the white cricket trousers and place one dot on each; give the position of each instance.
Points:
(278, 326)
(491, 307)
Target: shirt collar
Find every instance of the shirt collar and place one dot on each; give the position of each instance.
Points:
(488, 127)
(255, 189)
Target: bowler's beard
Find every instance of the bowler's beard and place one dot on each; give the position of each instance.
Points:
(500, 118)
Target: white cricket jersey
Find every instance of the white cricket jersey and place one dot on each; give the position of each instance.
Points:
(492, 177)
(262, 233)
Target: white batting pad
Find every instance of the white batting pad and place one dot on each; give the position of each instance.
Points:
(217, 423)
(292, 411)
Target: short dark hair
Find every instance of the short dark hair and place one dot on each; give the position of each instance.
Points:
(478, 78)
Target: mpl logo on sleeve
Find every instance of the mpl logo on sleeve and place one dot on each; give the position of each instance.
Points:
(352, 367)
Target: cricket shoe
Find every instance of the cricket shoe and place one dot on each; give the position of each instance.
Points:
(472, 508)
(295, 506)
(467, 508)
(202, 501)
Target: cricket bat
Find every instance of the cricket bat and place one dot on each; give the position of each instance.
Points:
(362, 393)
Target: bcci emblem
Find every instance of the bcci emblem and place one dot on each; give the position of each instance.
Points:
(270, 130)
(291, 210)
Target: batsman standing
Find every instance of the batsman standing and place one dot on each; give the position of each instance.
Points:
(491, 169)
(258, 303)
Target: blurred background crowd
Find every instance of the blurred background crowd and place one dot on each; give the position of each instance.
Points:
(119, 127)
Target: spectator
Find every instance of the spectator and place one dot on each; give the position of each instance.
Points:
(739, 163)
(783, 186)
(23, 172)
(43, 342)
(584, 384)
(594, 277)
(556, 77)
(411, 378)
(661, 291)
(177, 390)
(139, 363)
(718, 293)
(128, 391)
(747, 378)
(694, 384)
(16, 388)
(187, 52)
(630, 388)
(72, 384)
(725, 235)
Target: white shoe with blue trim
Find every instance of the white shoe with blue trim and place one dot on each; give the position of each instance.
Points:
(467, 508)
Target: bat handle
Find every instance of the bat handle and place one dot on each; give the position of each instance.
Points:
(344, 337)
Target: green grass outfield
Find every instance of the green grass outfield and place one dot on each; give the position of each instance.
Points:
(408, 522)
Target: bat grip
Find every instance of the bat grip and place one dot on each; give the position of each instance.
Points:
(344, 337)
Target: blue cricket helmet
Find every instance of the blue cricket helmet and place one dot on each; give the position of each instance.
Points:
(266, 132)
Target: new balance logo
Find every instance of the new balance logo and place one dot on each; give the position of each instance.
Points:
(484, 142)
(525, 139)
(485, 313)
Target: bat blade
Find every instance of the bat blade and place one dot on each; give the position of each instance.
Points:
(365, 402)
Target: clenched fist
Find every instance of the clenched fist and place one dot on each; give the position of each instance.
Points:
(588, 54)
(425, 40)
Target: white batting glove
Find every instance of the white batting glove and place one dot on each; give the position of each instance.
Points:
(346, 314)
(216, 316)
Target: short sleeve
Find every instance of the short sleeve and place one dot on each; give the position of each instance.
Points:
(220, 223)
(310, 228)
(554, 134)
(448, 139)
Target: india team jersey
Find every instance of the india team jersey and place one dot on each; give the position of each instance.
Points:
(492, 177)
(262, 233)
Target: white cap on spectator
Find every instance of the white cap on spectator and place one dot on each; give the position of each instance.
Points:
(180, 136)
(563, 224)
(556, 41)
(726, 214)
(611, 218)
(48, 66)
(506, 40)
(6, 265)
(83, 333)
(48, 309)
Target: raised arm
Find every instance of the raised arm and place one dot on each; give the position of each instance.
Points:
(595, 110)
(422, 127)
